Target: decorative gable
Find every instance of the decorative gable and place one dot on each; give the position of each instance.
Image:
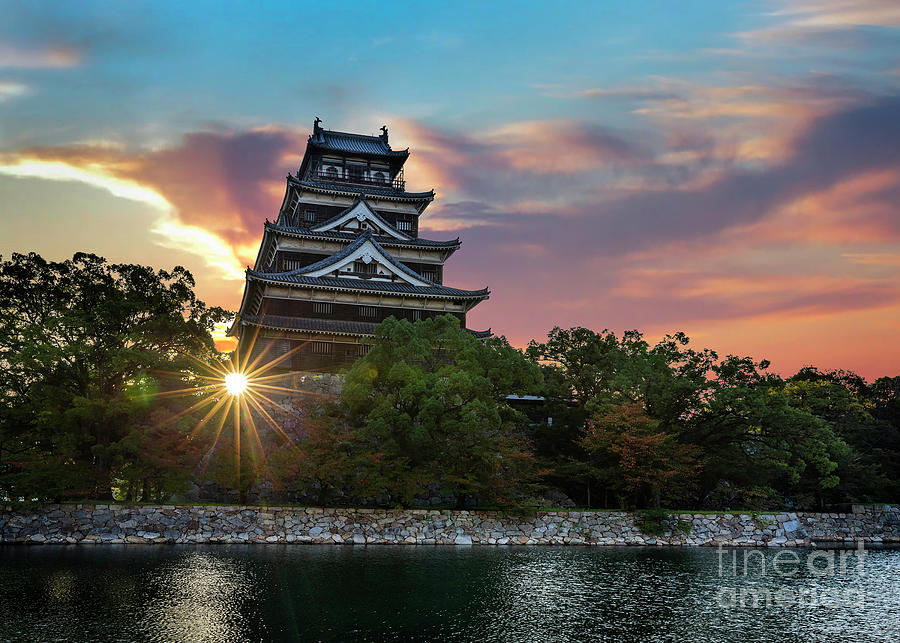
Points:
(368, 260)
(360, 218)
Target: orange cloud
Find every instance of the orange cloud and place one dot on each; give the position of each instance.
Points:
(859, 209)
(557, 147)
(873, 259)
(213, 189)
(798, 19)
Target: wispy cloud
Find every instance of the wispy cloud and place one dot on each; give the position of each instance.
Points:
(891, 259)
(835, 23)
(94, 174)
(10, 89)
(48, 57)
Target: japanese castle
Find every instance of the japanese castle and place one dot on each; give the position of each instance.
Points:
(344, 254)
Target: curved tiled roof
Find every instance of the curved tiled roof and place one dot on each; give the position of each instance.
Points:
(372, 285)
(343, 253)
(336, 326)
(346, 251)
(349, 236)
(356, 143)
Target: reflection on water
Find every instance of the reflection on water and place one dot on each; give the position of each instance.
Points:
(206, 600)
(277, 592)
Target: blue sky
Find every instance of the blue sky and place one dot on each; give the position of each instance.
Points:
(169, 67)
(724, 168)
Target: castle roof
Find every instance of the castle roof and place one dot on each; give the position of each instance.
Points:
(332, 326)
(299, 231)
(346, 142)
(369, 285)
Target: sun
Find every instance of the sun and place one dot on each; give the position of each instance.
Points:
(239, 391)
(235, 383)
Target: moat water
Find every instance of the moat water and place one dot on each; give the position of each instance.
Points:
(394, 593)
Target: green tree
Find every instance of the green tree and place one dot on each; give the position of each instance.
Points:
(427, 408)
(852, 409)
(758, 447)
(78, 338)
(588, 373)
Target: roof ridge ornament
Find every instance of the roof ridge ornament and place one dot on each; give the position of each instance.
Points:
(384, 133)
(316, 128)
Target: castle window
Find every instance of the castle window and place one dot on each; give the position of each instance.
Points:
(404, 226)
(430, 275)
(355, 172)
(364, 268)
(322, 307)
(331, 172)
(310, 216)
(367, 311)
(379, 177)
(321, 348)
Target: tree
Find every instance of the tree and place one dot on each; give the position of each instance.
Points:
(587, 373)
(77, 339)
(426, 409)
(852, 410)
(757, 446)
(322, 464)
(647, 464)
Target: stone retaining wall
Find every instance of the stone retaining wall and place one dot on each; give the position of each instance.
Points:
(216, 524)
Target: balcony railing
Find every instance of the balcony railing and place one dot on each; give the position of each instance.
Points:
(319, 174)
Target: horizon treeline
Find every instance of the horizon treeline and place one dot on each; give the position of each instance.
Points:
(107, 392)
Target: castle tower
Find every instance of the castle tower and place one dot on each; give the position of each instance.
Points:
(344, 254)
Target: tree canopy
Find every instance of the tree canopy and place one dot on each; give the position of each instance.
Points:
(86, 346)
(425, 411)
(668, 422)
(101, 389)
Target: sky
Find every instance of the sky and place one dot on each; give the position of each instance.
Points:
(726, 169)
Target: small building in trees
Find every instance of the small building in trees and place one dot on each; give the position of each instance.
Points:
(343, 254)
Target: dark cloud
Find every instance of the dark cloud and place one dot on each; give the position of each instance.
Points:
(834, 148)
(525, 160)
(227, 183)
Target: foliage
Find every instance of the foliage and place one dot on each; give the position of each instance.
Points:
(646, 424)
(92, 355)
(426, 410)
(649, 465)
(85, 347)
(652, 522)
(321, 465)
